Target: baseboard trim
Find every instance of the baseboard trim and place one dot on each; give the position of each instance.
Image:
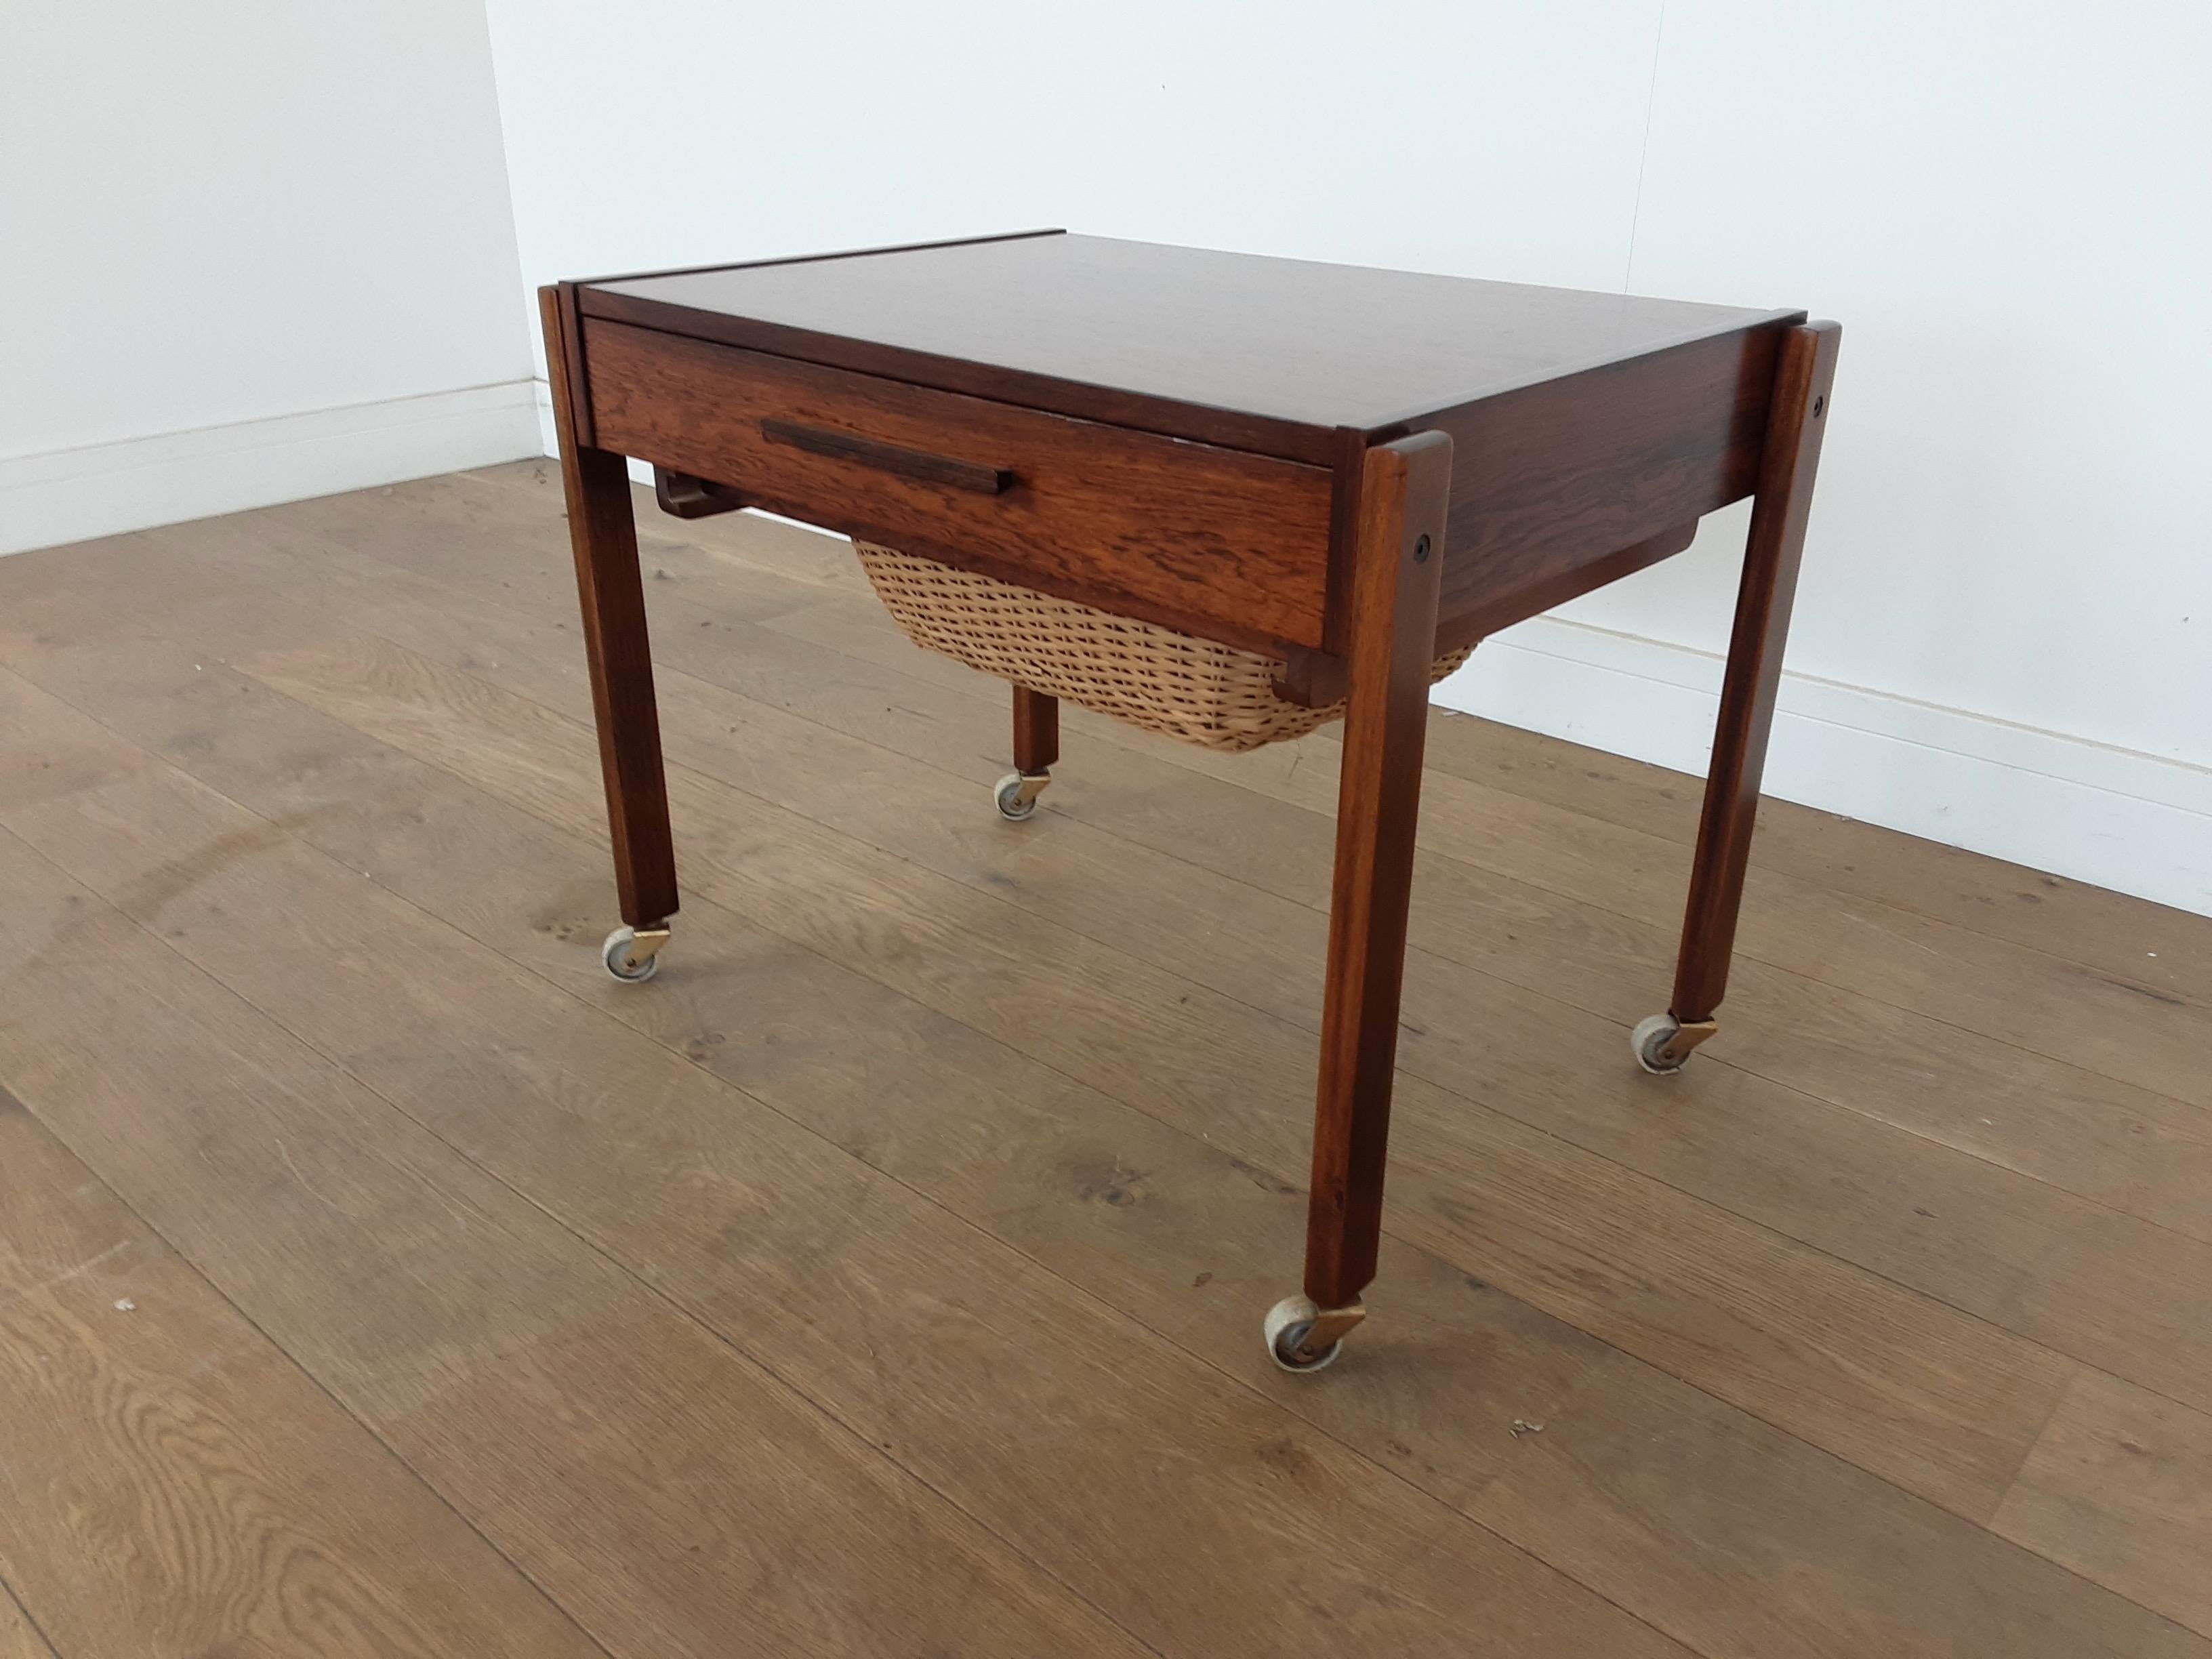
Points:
(2134, 823)
(105, 490)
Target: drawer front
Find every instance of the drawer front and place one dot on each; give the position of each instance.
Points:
(1216, 541)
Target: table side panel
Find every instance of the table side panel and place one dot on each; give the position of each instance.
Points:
(1217, 542)
(1564, 477)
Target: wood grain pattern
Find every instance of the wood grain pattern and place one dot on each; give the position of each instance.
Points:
(1270, 355)
(1724, 1531)
(1106, 1194)
(1397, 557)
(2064, 1125)
(610, 589)
(2119, 1488)
(1570, 471)
(2126, 1147)
(580, 1116)
(1610, 1485)
(548, 1396)
(1036, 730)
(1564, 576)
(19, 1639)
(1951, 1412)
(176, 1485)
(1893, 1202)
(1804, 377)
(1213, 541)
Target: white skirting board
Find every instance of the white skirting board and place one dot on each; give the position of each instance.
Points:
(104, 489)
(2134, 823)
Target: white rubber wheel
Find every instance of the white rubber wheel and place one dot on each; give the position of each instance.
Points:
(1286, 1325)
(615, 954)
(1649, 1037)
(1007, 795)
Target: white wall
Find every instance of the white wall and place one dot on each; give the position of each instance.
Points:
(2004, 635)
(249, 251)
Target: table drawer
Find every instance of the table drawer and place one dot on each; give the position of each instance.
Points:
(1217, 542)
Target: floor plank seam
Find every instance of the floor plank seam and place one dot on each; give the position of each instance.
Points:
(631, 1274)
(520, 956)
(1816, 1102)
(1458, 1514)
(1263, 1014)
(31, 1620)
(220, 1294)
(1414, 954)
(1763, 1227)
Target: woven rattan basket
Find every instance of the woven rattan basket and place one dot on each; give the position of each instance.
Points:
(1200, 690)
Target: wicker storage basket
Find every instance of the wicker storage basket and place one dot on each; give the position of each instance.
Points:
(1203, 692)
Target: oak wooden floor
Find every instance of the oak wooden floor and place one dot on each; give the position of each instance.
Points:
(377, 1278)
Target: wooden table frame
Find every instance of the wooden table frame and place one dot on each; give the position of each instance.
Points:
(1565, 482)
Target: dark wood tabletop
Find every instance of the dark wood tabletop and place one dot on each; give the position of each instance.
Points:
(1267, 354)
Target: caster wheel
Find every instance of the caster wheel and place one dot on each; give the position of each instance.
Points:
(634, 957)
(1289, 1323)
(1016, 796)
(1650, 1037)
(1663, 1042)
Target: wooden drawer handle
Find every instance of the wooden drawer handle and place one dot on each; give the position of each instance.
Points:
(890, 458)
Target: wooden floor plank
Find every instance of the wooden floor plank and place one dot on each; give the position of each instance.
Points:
(1116, 1187)
(674, 1492)
(2119, 1488)
(1108, 1180)
(955, 1355)
(2072, 1276)
(2120, 1144)
(19, 1637)
(1953, 1416)
(1606, 1481)
(177, 1485)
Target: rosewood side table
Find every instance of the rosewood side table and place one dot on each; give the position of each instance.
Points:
(1351, 472)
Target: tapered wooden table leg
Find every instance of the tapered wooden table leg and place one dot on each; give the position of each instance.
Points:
(1797, 420)
(603, 536)
(1397, 560)
(1036, 749)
